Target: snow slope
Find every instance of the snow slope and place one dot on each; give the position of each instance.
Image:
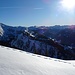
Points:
(16, 62)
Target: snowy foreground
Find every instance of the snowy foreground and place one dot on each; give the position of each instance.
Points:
(16, 62)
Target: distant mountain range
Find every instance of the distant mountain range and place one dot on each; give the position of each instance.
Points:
(54, 41)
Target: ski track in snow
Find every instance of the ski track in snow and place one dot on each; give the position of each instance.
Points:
(58, 60)
(44, 57)
(25, 63)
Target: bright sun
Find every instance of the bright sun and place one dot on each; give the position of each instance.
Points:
(68, 4)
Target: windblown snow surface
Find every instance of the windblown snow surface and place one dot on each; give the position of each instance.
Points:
(17, 62)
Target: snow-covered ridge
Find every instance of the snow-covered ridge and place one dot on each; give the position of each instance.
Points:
(17, 62)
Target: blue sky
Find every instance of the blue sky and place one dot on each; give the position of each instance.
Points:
(34, 12)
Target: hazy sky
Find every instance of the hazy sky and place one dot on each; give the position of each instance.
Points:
(35, 12)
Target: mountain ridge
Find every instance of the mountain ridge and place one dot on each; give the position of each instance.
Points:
(19, 37)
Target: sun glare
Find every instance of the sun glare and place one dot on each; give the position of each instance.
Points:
(68, 4)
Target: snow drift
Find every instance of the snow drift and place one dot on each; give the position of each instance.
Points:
(17, 62)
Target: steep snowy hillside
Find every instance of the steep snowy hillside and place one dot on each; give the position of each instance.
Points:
(1, 31)
(16, 62)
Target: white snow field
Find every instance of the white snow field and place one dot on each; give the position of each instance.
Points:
(17, 62)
